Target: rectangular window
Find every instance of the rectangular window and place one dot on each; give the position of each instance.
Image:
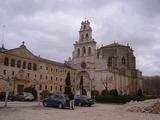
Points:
(56, 79)
(4, 72)
(60, 88)
(46, 68)
(40, 67)
(45, 87)
(13, 73)
(40, 76)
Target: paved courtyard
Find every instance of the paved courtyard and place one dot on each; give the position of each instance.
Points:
(30, 111)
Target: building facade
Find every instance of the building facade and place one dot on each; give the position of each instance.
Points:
(109, 67)
(20, 69)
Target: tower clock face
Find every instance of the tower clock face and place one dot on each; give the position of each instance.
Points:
(83, 65)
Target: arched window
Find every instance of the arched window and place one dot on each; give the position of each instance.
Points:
(51, 88)
(89, 50)
(29, 66)
(24, 65)
(110, 61)
(84, 50)
(34, 66)
(19, 64)
(123, 60)
(87, 36)
(78, 52)
(6, 61)
(13, 62)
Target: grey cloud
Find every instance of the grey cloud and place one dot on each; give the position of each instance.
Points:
(50, 28)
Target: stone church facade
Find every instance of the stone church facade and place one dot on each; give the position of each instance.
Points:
(109, 67)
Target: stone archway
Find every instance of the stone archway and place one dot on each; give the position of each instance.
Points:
(83, 77)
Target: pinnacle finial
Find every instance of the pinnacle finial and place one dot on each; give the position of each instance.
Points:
(23, 46)
(2, 45)
(23, 43)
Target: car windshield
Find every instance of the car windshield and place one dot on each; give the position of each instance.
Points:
(27, 94)
(82, 96)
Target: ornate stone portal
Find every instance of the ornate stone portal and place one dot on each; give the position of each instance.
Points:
(83, 83)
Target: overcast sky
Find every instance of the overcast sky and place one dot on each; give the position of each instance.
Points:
(50, 27)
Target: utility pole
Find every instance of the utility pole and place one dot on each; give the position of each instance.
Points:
(3, 32)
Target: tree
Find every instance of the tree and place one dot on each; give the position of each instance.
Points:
(105, 83)
(140, 93)
(82, 90)
(67, 84)
(44, 93)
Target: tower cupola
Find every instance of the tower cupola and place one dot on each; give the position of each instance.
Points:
(85, 33)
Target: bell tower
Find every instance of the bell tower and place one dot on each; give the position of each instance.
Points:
(85, 47)
(84, 56)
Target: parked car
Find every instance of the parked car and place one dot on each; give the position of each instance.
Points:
(82, 100)
(25, 96)
(11, 96)
(56, 100)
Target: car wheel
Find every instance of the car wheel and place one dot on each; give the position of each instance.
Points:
(80, 104)
(89, 105)
(60, 106)
(45, 104)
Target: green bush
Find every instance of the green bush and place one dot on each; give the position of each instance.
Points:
(105, 92)
(117, 99)
(113, 92)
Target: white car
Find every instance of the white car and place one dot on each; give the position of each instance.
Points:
(25, 96)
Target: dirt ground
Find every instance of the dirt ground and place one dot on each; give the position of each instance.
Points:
(31, 111)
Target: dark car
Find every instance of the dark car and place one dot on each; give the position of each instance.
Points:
(56, 100)
(82, 100)
(11, 96)
(24, 96)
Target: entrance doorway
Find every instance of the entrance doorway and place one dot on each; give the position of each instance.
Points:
(20, 88)
(84, 83)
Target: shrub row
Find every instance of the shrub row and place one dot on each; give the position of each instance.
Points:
(117, 99)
